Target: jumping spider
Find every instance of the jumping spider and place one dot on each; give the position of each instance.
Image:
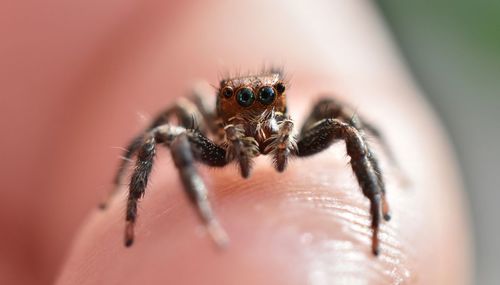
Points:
(250, 119)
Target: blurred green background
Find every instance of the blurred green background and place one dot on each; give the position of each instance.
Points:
(453, 49)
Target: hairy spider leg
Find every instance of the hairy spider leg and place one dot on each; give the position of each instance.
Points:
(195, 188)
(213, 123)
(322, 135)
(187, 145)
(140, 177)
(187, 114)
(129, 151)
(329, 108)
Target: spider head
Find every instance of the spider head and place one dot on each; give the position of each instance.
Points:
(251, 96)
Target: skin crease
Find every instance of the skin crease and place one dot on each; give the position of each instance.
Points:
(308, 225)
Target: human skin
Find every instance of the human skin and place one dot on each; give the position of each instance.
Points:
(308, 224)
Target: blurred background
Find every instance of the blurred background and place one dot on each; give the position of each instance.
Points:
(453, 49)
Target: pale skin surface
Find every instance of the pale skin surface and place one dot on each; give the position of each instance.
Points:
(309, 224)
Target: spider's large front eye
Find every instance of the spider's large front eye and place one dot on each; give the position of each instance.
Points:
(227, 92)
(245, 97)
(267, 95)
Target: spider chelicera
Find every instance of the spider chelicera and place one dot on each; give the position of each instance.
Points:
(250, 119)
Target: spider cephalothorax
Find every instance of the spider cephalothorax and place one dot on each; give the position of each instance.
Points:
(252, 110)
(250, 119)
(251, 95)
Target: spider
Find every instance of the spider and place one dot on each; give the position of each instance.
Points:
(250, 119)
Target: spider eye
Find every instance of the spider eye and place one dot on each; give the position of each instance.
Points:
(280, 87)
(227, 92)
(266, 95)
(245, 97)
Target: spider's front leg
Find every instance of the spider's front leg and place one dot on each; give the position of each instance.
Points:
(330, 108)
(186, 147)
(322, 135)
(184, 158)
(146, 152)
(188, 115)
